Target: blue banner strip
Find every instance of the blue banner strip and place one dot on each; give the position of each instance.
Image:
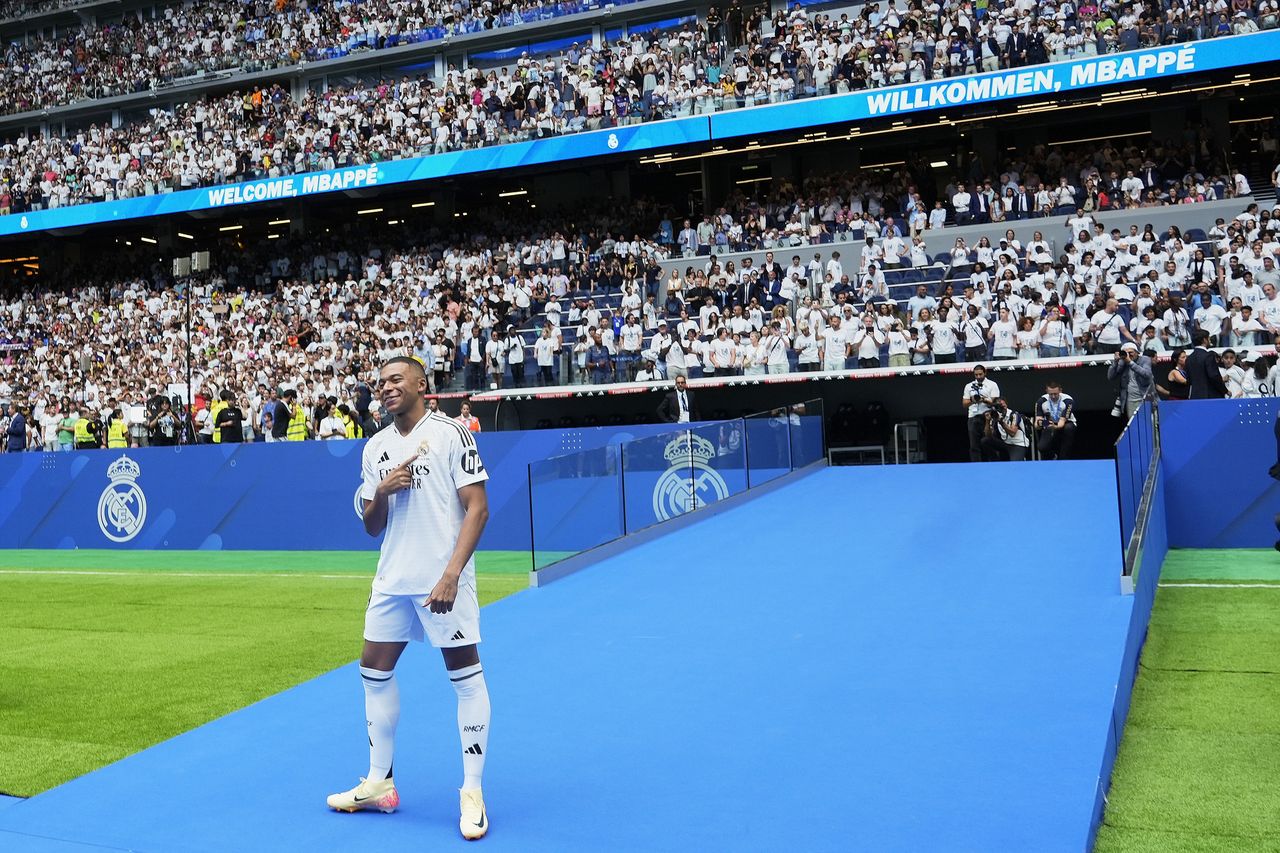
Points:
(1115, 69)
(619, 140)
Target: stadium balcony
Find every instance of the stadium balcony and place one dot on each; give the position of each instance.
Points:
(565, 136)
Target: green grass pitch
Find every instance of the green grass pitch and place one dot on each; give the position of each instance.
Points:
(109, 652)
(1197, 770)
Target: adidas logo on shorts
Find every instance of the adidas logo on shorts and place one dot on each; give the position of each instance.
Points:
(457, 636)
(474, 749)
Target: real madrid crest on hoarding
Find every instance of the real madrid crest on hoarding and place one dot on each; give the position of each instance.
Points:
(359, 503)
(690, 482)
(122, 509)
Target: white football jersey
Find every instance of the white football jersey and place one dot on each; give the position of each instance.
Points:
(423, 521)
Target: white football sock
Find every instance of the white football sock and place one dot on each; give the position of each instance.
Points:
(473, 721)
(382, 712)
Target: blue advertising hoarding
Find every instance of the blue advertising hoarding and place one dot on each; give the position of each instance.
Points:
(288, 496)
(1215, 455)
(1111, 70)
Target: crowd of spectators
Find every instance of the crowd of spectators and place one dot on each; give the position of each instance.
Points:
(314, 316)
(16, 9)
(746, 53)
(740, 59)
(141, 53)
(1044, 181)
(308, 321)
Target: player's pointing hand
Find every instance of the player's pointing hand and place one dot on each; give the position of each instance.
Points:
(400, 478)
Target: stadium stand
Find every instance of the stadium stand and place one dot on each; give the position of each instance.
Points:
(316, 315)
(267, 130)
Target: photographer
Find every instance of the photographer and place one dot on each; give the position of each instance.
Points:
(1056, 419)
(978, 397)
(1130, 372)
(163, 425)
(1004, 437)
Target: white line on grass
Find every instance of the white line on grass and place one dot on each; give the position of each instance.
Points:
(161, 573)
(1223, 585)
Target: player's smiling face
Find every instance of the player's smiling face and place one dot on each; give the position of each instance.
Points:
(399, 387)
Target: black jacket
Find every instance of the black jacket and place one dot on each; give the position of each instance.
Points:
(1204, 376)
(669, 411)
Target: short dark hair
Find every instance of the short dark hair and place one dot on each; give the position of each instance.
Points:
(1200, 337)
(406, 359)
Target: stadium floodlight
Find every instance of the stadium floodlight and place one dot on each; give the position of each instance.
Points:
(423, 204)
(273, 236)
(280, 222)
(151, 240)
(184, 235)
(369, 210)
(231, 228)
(939, 164)
(511, 193)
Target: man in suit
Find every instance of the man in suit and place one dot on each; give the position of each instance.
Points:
(1202, 370)
(679, 407)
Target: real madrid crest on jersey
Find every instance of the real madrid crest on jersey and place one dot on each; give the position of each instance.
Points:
(122, 509)
(690, 482)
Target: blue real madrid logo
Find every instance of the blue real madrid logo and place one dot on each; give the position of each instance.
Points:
(690, 482)
(122, 509)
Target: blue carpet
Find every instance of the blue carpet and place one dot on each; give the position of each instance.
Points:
(904, 658)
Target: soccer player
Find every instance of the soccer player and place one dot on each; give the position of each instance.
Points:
(423, 485)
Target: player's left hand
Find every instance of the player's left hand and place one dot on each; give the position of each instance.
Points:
(442, 597)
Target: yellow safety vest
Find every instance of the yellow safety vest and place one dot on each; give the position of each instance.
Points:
(297, 425)
(116, 434)
(214, 409)
(353, 428)
(82, 434)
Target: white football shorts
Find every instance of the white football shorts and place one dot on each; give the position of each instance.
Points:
(402, 618)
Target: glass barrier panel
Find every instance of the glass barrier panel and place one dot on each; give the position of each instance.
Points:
(768, 445)
(657, 479)
(575, 503)
(1124, 486)
(719, 461)
(808, 433)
